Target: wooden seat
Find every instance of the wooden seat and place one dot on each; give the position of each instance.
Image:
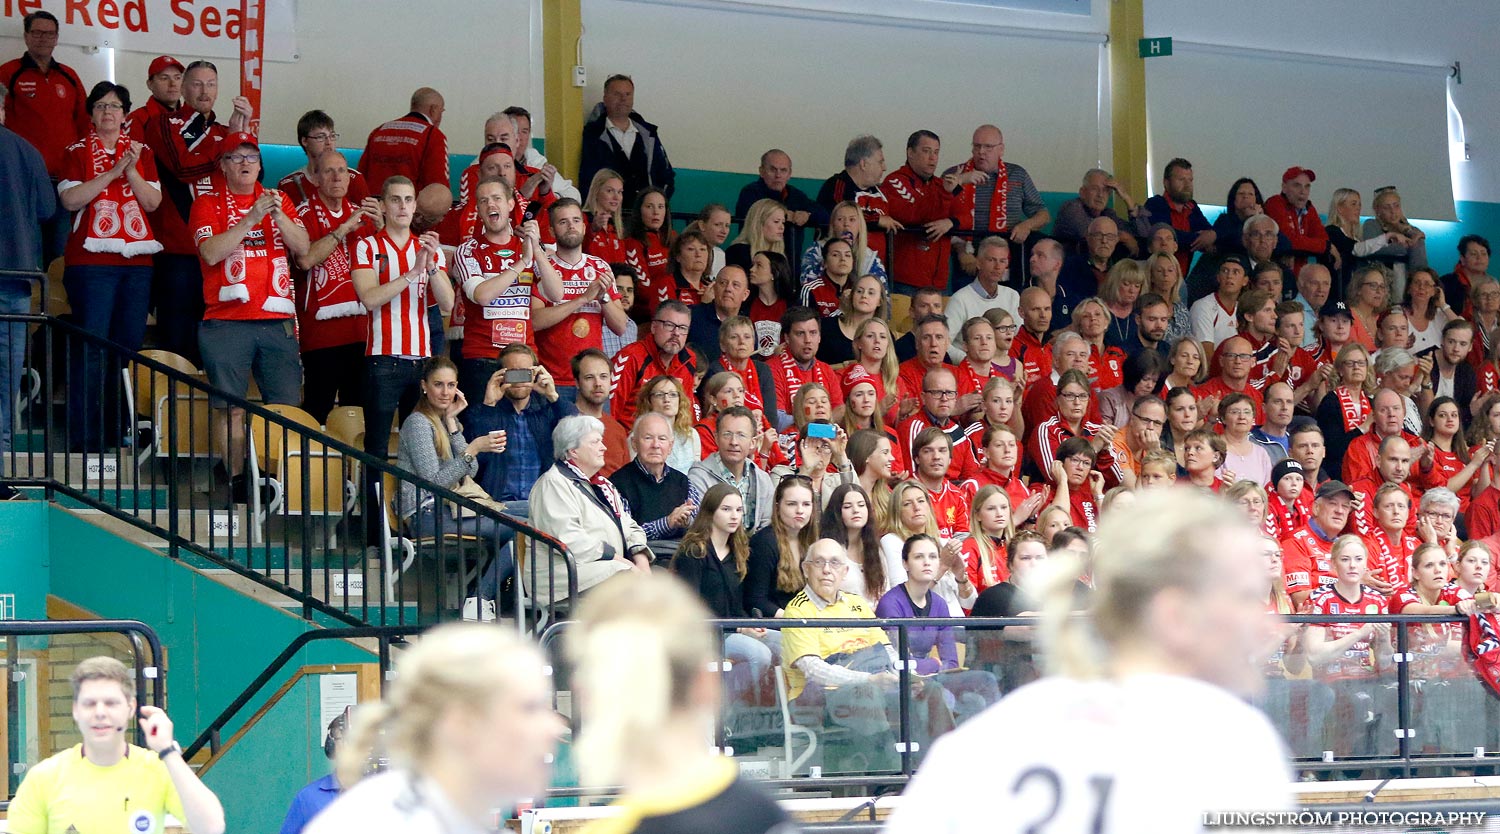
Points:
(900, 313)
(326, 488)
(347, 423)
(179, 415)
(273, 442)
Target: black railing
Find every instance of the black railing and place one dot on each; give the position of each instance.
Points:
(135, 437)
(383, 635)
(1398, 751)
(150, 682)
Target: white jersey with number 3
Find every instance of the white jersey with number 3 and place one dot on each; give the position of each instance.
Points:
(1151, 754)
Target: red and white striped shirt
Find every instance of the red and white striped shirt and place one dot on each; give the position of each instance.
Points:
(398, 327)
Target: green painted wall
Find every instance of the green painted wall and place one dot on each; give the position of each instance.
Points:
(216, 640)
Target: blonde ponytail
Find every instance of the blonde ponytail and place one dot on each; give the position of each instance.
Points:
(640, 644)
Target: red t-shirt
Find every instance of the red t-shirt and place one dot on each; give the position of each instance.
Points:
(1390, 558)
(970, 550)
(605, 244)
(504, 320)
(1431, 641)
(1358, 660)
(255, 281)
(950, 504)
(557, 345)
(767, 321)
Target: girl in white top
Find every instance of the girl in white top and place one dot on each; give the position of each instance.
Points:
(911, 513)
(468, 727)
(1141, 727)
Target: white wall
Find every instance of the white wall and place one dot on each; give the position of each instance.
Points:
(1440, 33)
(360, 62)
(727, 80)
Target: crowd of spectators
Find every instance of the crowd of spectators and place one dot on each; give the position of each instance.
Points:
(899, 416)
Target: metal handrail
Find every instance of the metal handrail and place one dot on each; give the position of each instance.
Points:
(199, 389)
(209, 737)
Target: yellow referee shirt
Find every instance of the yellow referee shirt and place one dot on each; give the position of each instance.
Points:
(66, 794)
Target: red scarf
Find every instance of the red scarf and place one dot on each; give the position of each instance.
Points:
(278, 297)
(1353, 409)
(997, 220)
(1392, 567)
(116, 222)
(331, 289)
(602, 488)
(751, 378)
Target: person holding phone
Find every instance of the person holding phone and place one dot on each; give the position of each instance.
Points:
(521, 400)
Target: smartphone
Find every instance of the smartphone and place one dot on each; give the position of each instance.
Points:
(532, 209)
(825, 431)
(517, 375)
(1427, 351)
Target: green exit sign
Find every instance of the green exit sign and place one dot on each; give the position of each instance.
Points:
(1155, 47)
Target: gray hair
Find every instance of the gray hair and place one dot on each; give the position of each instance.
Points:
(1061, 340)
(1439, 497)
(995, 241)
(861, 148)
(1256, 218)
(1391, 359)
(1094, 172)
(570, 432)
(515, 126)
(635, 428)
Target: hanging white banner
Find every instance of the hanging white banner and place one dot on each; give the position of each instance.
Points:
(185, 29)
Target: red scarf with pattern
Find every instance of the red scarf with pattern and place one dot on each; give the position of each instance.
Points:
(997, 220)
(1353, 409)
(331, 292)
(278, 297)
(1281, 518)
(751, 378)
(115, 221)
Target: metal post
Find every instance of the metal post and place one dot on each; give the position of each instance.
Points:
(1403, 698)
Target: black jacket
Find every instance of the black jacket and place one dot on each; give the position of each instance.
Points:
(600, 150)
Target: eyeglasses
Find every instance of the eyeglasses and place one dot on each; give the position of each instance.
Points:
(1007, 329)
(1239, 357)
(942, 395)
(1150, 423)
(108, 106)
(1354, 363)
(1075, 396)
(1440, 516)
(323, 137)
(241, 158)
(1102, 236)
(44, 34)
(827, 564)
(733, 435)
(671, 327)
(665, 395)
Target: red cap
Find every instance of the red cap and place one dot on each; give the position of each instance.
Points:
(161, 63)
(848, 384)
(1296, 171)
(235, 141)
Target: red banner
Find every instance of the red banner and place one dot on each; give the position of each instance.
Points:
(252, 56)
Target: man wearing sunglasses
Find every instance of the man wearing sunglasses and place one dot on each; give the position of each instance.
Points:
(665, 353)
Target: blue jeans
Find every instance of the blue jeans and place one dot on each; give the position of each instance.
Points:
(108, 301)
(426, 523)
(15, 299)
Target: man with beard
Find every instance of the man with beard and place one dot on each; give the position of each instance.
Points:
(590, 301)
(1152, 316)
(1176, 208)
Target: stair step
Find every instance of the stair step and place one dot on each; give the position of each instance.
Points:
(89, 471)
(122, 496)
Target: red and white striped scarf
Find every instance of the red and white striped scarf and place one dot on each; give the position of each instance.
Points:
(998, 219)
(278, 292)
(115, 221)
(1354, 409)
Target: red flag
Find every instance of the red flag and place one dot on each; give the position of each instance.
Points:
(252, 60)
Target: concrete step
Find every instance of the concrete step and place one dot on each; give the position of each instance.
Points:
(84, 470)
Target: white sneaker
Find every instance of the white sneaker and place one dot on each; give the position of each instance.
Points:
(471, 610)
(486, 611)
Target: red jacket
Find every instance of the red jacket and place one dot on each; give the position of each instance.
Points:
(188, 167)
(45, 108)
(965, 463)
(914, 201)
(1306, 231)
(1041, 447)
(637, 363)
(1359, 458)
(410, 146)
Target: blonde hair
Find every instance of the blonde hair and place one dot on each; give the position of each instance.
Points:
(1338, 198)
(638, 647)
(1344, 353)
(453, 666)
(846, 297)
(591, 204)
(1175, 296)
(987, 560)
(755, 218)
(890, 369)
(1017, 424)
(102, 668)
(861, 236)
(1168, 541)
(427, 409)
(898, 494)
(1123, 272)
